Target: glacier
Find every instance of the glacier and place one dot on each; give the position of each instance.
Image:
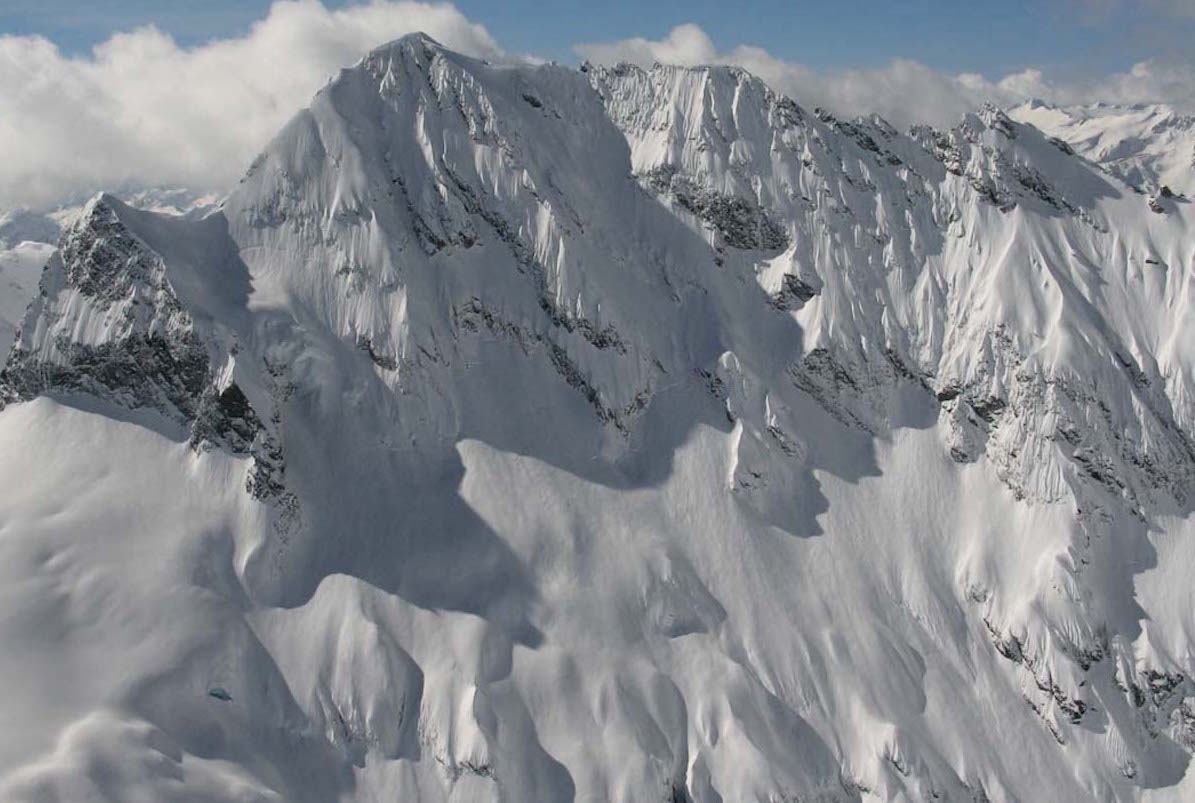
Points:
(518, 433)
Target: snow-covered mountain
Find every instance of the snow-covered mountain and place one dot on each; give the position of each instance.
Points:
(28, 236)
(525, 433)
(1149, 146)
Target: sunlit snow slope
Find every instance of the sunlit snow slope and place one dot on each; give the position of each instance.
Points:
(1147, 145)
(533, 434)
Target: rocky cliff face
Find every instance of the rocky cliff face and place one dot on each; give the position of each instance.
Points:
(621, 434)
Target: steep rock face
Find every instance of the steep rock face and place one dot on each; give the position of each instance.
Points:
(107, 322)
(614, 434)
(28, 238)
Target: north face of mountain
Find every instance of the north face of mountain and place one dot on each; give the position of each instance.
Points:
(527, 433)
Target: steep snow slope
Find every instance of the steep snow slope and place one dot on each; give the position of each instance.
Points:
(532, 434)
(1147, 145)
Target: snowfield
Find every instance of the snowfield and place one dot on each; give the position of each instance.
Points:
(533, 434)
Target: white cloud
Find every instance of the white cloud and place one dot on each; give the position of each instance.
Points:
(141, 110)
(686, 44)
(905, 91)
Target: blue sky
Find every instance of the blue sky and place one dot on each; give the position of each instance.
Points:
(1066, 37)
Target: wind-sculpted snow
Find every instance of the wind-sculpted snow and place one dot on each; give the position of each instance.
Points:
(523, 433)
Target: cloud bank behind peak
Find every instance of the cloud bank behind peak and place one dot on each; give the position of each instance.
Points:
(905, 91)
(140, 110)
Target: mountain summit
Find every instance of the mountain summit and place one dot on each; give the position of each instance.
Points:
(524, 433)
